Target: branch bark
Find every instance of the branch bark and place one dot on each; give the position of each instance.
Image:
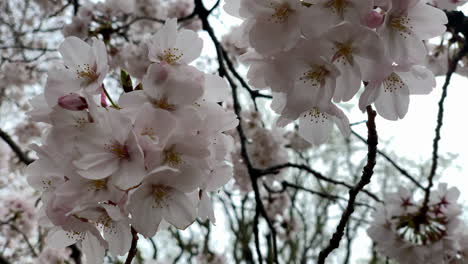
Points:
(367, 173)
(133, 248)
(19, 153)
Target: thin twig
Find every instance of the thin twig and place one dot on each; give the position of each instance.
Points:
(316, 174)
(440, 118)
(392, 162)
(19, 153)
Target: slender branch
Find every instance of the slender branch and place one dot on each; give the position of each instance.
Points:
(316, 174)
(155, 248)
(19, 153)
(76, 6)
(109, 97)
(367, 173)
(133, 248)
(392, 162)
(25, 237)
(331, 197)
(440, 117)
(3, 260)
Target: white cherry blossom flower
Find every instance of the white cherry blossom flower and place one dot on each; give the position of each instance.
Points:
(406, 25)
(391, 93)
(265, 20)
(168, 46)
(162, 195)
(84, 67)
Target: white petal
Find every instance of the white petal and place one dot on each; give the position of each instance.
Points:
(181, 211)
(190, 44)
(75, 52)
(92, 249)
(315, 127)
(59, 238)
(119, 238)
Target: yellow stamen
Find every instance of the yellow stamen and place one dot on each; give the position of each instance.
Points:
(172, 157)
(316, 76)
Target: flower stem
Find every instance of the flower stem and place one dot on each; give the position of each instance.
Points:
(110, 98)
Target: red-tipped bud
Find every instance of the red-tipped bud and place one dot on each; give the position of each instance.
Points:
(374, 19)
(73, 102)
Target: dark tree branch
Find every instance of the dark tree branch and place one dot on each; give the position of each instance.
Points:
(331, 197)
(133, 248)
(76, 6)
(19, 153)
(316, 174)
(367, 173)
(440, 117)
(3, 260)
(25, 237)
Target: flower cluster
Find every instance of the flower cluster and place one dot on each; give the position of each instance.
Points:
(409, 232)
(313, 54)
(148, 159)
(266, 148)
(18, 212)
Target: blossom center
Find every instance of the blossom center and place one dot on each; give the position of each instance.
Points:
(401, 24)
(344, 52)
(315, 76)
(281, 13)
(171, 55)
(338, 6)
(106, 222)
(87, 73)
(118, 149)
(160, 193)
(80, 122)
(172, 157)
(316, 115)
(98, 184)
(75, 235)
(393, 83)
(421, 229)
(163, 103)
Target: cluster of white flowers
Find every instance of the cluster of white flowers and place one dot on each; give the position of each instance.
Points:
(19, 212)
(408, 232)
(124, 11)
(313, 54)
(265, 148)
(148, 160)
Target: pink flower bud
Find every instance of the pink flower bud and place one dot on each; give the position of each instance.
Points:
(374, 19)
(73, 102)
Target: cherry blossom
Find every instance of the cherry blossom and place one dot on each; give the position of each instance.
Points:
(105, 168)
(405, 230)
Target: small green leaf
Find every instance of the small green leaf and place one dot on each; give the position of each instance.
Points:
(126, 81)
